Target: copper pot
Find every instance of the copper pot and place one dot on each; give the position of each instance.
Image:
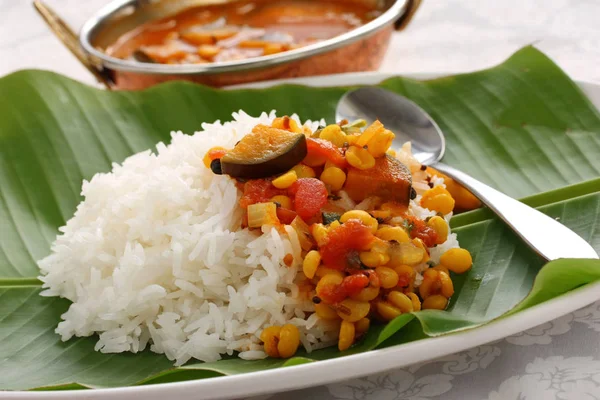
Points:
(361, 49)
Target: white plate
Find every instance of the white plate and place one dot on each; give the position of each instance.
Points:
(323, 372)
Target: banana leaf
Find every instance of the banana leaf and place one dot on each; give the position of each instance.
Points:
(523, 127)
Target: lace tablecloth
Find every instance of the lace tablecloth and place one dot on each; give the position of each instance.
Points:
(557, 360)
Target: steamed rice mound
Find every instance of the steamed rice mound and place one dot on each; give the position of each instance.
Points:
(154, 257)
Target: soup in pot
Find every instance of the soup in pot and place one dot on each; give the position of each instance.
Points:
(240, 30)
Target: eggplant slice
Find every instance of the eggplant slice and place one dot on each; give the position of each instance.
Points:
(263, 153)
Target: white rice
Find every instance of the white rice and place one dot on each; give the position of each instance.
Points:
(154, 257)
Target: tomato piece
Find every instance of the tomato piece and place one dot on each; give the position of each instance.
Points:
(353, 284)
(374, 279)
(404, 280)
(419, 229)
(350, 286)
(285, 216)
(310, 194)
(324, 148)
(341, 241)
(332, 294)
(258, 191)
(213, 154)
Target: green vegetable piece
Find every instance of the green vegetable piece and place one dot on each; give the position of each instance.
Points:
(329, 217)
(354, 127)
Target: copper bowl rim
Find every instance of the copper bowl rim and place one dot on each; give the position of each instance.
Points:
(396, 11)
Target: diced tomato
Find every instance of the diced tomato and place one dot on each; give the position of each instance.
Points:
(310, 194)
(332, 294)
(288, 260)
(341, 241)
(215, 153)
(374, 279)
(324, 148)
(285, 216)
(404, 280)
(351, 285)
(258, 191)
(419, 229)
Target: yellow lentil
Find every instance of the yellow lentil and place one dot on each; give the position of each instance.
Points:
(387, 311)
(406, 273)
(319, 232)
(351, 139)
(334, 177)
(457, 260)
(311, 263)
(401, 301)
(361, 326)
(387, 277)
(360, 158)
(304, 171)
(347, 332)
(335, 224)
(440, 267)
(416, 302)
(438, 199)
(440, 226)
(369, 133)
(322, 271)
(435, 302)
(289, 340)
(363, 217)
(447, 287)
(328, 281)
(284, 201)
(325, 312)
(270, 338)
(390, 233)
(367, 294)
(353, 310)
(333, 134)
(286, 123)
(286, 180)
(372, 259)
(419, 243)
(383, 214)
(436, 282)
(380, 143)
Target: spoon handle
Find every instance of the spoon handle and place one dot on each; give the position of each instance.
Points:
(547, 237)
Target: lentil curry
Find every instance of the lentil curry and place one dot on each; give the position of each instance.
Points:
(240, 29)
(369, 221)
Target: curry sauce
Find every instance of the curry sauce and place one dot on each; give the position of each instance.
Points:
(240, 30)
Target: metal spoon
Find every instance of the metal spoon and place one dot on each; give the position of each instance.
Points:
(547, 237)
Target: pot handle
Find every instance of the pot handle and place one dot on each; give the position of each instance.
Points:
(69, 38)
(409, 12)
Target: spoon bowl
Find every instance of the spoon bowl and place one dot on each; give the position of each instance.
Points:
(409, 122)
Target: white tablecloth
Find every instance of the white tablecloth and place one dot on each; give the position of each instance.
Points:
(557, 360)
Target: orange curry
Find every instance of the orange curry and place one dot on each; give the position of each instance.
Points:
(240, 30)
(348, 197)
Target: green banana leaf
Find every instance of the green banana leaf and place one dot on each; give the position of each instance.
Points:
(523, 127)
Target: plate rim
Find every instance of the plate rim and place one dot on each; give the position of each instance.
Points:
(352, 366)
